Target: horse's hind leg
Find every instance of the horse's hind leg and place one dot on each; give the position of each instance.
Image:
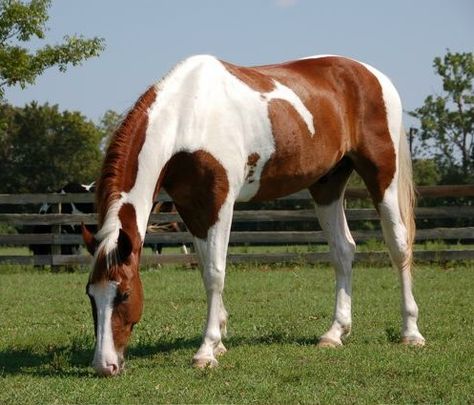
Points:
(395, 234)
(328, 194)
(212, 257)
(389, 181)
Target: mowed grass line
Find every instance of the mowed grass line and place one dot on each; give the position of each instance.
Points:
(277, 313)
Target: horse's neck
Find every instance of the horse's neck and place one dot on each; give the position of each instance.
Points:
(164, 116)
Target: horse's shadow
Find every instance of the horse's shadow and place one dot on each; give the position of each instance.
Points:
(168, 346)
(60, 360)
(75, 361)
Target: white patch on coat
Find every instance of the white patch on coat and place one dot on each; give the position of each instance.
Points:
(282, 92)
(202, 106)
(321, 56)
(393, 105)
(109, 232)
(105, 353)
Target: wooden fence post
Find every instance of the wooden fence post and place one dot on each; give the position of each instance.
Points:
(56, 231)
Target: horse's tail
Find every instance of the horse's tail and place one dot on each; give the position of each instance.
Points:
(406, 194)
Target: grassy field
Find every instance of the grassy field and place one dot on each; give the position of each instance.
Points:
(277, 313)
(369, 246)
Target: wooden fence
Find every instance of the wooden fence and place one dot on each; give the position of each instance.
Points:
(57, 219)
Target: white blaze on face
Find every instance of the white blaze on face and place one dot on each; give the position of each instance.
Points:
(105, 356)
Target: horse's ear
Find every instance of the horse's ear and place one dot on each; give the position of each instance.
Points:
(89, 239)
(124, 245)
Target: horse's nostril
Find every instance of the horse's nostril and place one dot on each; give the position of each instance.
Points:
(114, 368)
(108, 370)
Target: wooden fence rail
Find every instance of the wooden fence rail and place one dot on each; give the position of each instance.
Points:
(351, 193)
(242, 237)
(355, 214)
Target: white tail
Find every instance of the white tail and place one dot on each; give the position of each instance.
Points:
(406, 195)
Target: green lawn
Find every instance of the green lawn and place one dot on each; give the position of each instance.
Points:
(277, 313)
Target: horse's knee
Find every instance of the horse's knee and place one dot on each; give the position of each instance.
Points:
(214, 278)
(342, 253)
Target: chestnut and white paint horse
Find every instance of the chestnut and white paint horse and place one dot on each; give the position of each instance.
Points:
(211, 133)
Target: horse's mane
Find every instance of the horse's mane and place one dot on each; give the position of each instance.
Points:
(121, 159)
(120, 166)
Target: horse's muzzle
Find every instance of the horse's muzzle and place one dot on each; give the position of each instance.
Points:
(110, 369)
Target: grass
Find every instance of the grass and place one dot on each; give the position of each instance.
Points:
(369, 246)
(277, 313)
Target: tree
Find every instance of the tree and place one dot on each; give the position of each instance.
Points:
(41, 148)
(21, 22)
(108, 124)
(447, 121)
(426, 172)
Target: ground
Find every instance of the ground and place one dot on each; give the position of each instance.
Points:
(277, 313)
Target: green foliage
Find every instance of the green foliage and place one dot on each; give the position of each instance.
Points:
(447, 121)
(277, 314)
(426, 172)
(109, 122)
(20, 22)
(41, 148)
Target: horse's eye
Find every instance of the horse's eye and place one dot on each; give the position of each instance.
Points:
(121, 297)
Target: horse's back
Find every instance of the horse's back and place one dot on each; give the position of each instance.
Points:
(269, 123)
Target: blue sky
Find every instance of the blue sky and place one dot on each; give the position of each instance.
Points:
(146, 38)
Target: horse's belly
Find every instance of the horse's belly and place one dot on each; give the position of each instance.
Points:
(276, 185)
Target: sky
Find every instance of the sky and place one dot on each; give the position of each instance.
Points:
(146, 38)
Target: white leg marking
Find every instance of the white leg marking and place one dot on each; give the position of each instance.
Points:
(395, 235)
(106, 360)
(212, 257)
(342, 248)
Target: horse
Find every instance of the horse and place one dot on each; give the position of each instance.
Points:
(211, 133)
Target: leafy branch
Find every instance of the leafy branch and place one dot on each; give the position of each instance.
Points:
(21, 22)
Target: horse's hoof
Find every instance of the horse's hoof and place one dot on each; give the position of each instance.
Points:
(413, 341)
(206, 362)
(326, 342)
(220, 350)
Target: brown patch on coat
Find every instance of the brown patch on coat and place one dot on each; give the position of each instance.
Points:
(120, 167)
(346, 102)
(127, 312)
(128, 219)
(299, 159)
(252, 161)
(198, 185)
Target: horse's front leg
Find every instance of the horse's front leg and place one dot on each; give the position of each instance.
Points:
(212, 257)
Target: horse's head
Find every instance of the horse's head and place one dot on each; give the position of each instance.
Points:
(116, 295)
